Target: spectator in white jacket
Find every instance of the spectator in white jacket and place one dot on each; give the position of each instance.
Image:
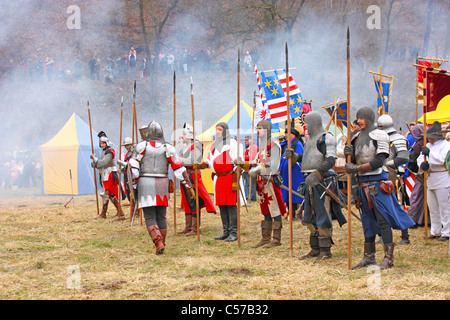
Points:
(432, 160)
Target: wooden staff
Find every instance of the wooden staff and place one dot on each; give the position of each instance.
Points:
(135, 136)
(120, 154)
(251, 147)
(349, 178)
(135, 128)
(425, 173)
(174, 144)
(92, 148)
(195, 161)
(238, 170)
(289, 147)
(417, 80)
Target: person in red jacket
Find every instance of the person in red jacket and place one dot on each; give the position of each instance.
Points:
(221, 158)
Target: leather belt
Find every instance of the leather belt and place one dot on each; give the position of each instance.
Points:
(224, 174)
(365, 186)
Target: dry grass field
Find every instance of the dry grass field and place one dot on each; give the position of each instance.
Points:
(51, 252)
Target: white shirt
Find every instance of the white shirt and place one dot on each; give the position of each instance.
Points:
(439, 176)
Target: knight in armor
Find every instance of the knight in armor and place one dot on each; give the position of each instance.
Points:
(398, 156)
(153, 156)
(379, 208)
(221, 159)
(108, 175)
(265, 169)
(204, 200)
(318, 159)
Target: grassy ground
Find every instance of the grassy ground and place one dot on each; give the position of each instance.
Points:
(45, 248)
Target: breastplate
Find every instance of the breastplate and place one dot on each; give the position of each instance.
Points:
(312, 157)
(154, 163)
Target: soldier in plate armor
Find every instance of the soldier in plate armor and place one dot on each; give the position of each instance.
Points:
(264, 169)
(151, 162)
(204, 200)
(318, 159)
(108, 173)
(398, 155)
(380, 210)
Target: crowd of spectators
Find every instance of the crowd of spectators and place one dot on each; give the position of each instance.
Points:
(19, 169)
(131, 65)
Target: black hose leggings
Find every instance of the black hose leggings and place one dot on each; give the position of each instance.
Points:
(385, 228)
(155, 215)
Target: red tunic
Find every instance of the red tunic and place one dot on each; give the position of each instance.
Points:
(222, 165)
(203, 195)
(269, 194)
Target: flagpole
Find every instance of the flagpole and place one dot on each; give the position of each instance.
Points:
(349, 179)
(288, 104)
(251, 147)
(238, 171)
(175, 144)
(195, 161)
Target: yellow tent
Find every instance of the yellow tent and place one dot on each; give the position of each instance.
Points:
(442, 112)
(66, 160)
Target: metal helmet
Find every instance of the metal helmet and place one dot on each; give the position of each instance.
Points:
(143, 132)
(155, 131)
(386, 123)
(188, 131)
(103, 138)
(127, 141)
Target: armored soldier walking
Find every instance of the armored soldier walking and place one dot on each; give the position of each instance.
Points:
(154, 156)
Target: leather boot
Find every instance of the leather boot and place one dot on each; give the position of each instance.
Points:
(368, 258)
(104, 209)
(188, 227)
(120, 215)
(266, 231)
(157, 238)
(324, 248)
(164, 234)
(276, 235)
(233, 225)
(193, 231)
(226, 226)
(314, 244)
(388, 256)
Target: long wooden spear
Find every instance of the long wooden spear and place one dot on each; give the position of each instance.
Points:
(251, 146)
(425, 173)
(349, 178)
(92, 147)
(289, 147)
(120, 155)
(238, 170)
(195, 161)
(174, 144)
